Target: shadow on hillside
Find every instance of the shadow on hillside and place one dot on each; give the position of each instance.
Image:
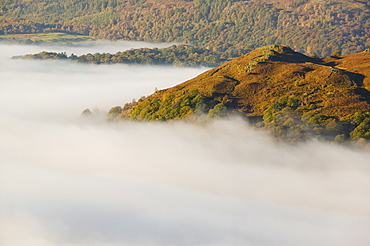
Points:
(357, 78)
(365, 94)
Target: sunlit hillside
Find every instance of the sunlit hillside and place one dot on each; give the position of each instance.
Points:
(283, 90)
(229, 27)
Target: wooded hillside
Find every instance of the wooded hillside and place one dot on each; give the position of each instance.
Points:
(228, 27)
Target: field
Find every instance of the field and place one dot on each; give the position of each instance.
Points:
(55, 37)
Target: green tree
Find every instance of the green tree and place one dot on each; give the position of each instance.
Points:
(362, 130)
(336, 53)
(219, 110)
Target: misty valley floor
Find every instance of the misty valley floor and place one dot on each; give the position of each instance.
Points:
(71, 181)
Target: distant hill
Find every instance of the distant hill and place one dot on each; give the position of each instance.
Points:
(229, 27)
(293, 95)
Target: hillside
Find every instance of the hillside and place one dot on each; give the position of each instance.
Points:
(229, 27)
(278, 89)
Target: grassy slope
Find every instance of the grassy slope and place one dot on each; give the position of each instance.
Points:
(45, 38)
(249, 84)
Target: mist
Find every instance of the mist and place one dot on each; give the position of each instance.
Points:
(65, 180)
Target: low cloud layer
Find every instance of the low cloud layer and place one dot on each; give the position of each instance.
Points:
(61, 89)
(65, 181)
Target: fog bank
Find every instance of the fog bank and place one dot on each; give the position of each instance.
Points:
(62, 90)
(67, 181)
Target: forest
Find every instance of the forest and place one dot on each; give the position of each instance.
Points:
(229, 28)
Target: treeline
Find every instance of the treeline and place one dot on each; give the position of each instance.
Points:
(178, 55)
(170, 107)
(228, 27)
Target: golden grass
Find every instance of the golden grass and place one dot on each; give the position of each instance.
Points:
(47, 37)
(259, 78)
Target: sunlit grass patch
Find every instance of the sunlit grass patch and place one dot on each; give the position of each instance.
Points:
(54, 37)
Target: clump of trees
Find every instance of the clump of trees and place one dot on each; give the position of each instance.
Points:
(169, 107)
(44, 55)
(289, 120)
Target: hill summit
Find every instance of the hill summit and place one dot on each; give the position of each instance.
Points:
(275, 86)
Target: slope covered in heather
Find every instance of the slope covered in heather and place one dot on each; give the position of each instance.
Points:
(280, 89)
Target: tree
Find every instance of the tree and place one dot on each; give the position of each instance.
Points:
(219, 110)
(362, 130)
(114, 112)
(86, 112)
(314, 55)
(336, 53)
